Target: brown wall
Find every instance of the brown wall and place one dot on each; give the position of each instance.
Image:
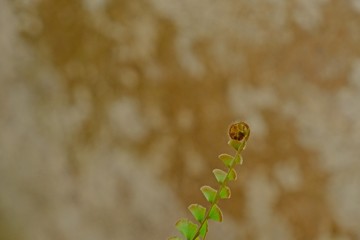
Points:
(112, 114)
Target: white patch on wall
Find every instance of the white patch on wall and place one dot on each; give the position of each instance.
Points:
(328, 123)
(354, 77)
(159, 154)
(9, 42)
(356, 5)
(188, 59)
(344, 196)
(75, 114)
(245, 100)
(126, 120)
(222, 24)
(194, 161)
(149, 199)
(308, 13)
(94, 5)
(185, 119)
(261, 196)
(245, 97)
(289, 175)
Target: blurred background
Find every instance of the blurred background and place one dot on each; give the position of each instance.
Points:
(113, 113)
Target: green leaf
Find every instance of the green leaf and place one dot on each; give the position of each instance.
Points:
(197, 211)
(186, 228)
(174, 238)
(215, 213)
(204, 229)
(235, 144)
(226, 159)
(209, 193)
(220, 175)
(232, 175)
(225, 192)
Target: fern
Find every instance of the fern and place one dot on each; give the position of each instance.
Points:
(239, 134)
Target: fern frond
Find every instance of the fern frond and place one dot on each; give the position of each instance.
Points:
(239, 133)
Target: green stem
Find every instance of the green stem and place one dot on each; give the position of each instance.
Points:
(217, 196)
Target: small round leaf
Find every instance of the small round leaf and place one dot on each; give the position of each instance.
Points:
(186, 228)
(225, 192)
(220, 175)
(215, 213)
(197, 211)
(226, 159)
(209, 193)
(235, 144)
(204, 229)
(232, 175)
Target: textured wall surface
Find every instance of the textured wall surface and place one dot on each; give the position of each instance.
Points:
(113, 112)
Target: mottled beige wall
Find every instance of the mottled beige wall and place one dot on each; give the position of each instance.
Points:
(113, 112)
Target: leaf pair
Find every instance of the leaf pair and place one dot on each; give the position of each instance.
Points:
(199, 213)
(212, 195)
(191, 230)
(222, 176)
